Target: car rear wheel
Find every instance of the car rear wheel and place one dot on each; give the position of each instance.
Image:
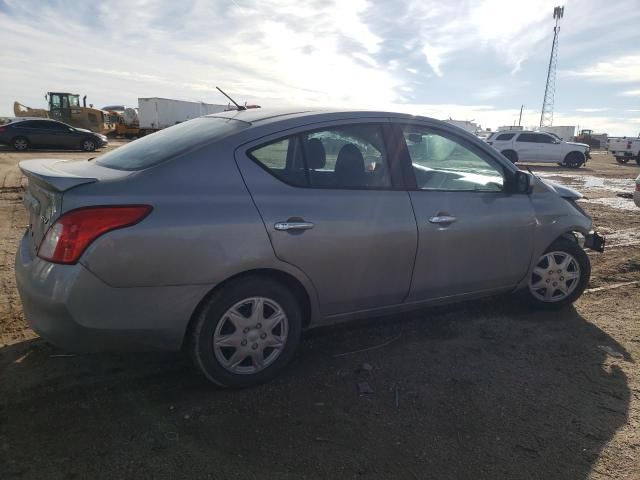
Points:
(574, 160)
(88, 145)
(511, 155)
(20, 144)
(560, 275)
(246, 333)
(622, 159)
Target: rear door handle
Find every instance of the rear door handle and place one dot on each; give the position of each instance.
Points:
(286, 226)
(442, 219)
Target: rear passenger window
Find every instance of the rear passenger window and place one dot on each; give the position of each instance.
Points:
(527, 137)
(505, 136)
(283, 159)
(353, 156)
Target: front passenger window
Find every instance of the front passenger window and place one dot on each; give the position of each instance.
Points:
(442, 163)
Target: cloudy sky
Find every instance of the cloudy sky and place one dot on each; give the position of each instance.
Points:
(467, 60)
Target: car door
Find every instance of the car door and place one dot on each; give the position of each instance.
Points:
(474, 236)
(548, 149)
(44, 134)
(63, 136)
(333, 207)
(527, 147)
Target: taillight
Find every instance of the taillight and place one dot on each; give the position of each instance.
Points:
(3, 129)
(637, 187)
(73, 232)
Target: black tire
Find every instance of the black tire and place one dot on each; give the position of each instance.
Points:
(88, 145)
(622, 159)
(212, 313)
(574, 160)
(638, 160)
(20, 144)
(511, 155)
(561, 245)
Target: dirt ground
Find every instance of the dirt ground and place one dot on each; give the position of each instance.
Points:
(487, 389)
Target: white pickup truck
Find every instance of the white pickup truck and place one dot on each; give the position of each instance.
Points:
(625, 149)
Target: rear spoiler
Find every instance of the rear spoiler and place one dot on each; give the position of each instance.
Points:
(45, 173)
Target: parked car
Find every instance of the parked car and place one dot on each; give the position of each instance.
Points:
(44, 133)
(229, 234)
(636, 194)
(625, 149)
(528, 146)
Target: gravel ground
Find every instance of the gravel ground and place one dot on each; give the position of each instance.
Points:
(486, 389)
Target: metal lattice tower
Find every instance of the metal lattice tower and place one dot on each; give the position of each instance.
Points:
(546, 118)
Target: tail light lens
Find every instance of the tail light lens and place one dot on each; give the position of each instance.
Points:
(2, 129)
(73, 232)
(637, 187)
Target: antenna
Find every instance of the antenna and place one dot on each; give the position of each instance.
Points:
(239, 107)
(546, 117)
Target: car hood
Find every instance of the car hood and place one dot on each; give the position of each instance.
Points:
(564, 192)
(578, 144)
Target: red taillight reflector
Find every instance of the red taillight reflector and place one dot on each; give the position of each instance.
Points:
(2, 129)
(72, 233)
(637, 187)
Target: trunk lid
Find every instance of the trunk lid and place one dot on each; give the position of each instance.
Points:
(48, 180)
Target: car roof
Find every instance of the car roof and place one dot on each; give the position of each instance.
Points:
(264, 115)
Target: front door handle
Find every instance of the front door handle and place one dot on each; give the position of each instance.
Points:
(442, 219)
(287, 226)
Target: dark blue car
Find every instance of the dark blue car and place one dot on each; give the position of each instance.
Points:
(23, 134)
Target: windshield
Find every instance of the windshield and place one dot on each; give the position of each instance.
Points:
(170, 142)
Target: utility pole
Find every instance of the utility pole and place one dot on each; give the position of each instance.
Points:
(520, 119)
(546, 117)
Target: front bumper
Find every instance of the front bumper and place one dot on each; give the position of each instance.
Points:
(595, 241)
(73, 309)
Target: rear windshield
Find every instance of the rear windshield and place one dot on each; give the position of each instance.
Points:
(170, 142)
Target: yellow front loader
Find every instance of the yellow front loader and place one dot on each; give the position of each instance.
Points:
(66, 108)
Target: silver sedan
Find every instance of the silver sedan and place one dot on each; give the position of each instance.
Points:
(229, 234)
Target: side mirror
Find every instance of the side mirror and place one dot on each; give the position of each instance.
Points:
(522, 182)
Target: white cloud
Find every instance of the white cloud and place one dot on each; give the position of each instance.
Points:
(434, 57)
(591, 110)
(618, 70)
(631, 93)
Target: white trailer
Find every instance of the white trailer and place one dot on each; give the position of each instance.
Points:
(156, 113)
(566, 133)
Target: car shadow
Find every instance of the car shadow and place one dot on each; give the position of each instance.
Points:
(486, 389)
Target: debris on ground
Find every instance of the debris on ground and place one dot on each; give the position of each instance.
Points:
(364, 388)
(610, 351)
(366, 367)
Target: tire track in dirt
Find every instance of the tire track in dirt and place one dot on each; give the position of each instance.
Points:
(14, 328)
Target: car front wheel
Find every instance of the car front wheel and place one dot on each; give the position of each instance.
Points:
(89, 145)
(560, 275)
(247, 332)
(574, 160)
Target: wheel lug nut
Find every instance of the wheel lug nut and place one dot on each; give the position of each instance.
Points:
(562, 278)
(243, 343)
(548, 280)
(555, 284)
(259, 325)
(263, 336)
(246, 330)
(254, 346)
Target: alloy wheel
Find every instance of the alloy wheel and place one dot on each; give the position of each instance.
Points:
(251, 335)
(555, 277)
(20, 144)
